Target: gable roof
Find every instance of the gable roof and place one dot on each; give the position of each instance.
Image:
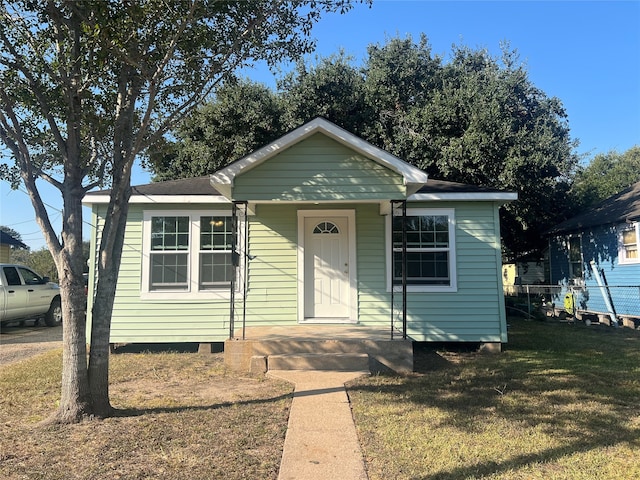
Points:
(217, 187)
(619, 208)
(413, 177)
(6, 239)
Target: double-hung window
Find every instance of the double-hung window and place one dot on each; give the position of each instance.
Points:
(430, 250)
(216, 266)
(169, 255)
(628, 243)
(187, 254)
(575, 257)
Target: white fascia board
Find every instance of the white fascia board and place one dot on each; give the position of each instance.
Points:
(469, 196)
(413, 177)
(411, 174)
(187, 199)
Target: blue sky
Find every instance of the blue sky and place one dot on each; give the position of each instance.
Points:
(585, 53)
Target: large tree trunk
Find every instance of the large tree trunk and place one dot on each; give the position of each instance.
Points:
(109, 256)
(112, 241)
(76, 403)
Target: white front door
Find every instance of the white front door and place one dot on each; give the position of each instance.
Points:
(327, 290)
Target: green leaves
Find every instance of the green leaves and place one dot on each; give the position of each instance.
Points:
(475, 119)
(607, 174)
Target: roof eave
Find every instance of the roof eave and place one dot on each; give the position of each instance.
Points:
(90, 200)
(504, 197)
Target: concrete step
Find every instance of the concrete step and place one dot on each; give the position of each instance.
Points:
(343, 362)
(285, 347)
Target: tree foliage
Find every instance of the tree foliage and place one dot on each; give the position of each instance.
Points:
(331, 88)
(39, 261)
(474, 119)
(246, 115)
(605, 175)
(88, 86)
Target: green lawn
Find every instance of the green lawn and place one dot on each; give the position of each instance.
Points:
(562, 402)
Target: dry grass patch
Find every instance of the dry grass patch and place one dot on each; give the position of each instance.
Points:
(180, 416)
(560, 403)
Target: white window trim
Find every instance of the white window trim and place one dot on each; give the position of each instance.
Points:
(193, 290)
(622, 258)
(453, 286)
(579, 281)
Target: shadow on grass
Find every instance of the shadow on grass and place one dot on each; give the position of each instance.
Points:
(185, 347)
(138, 412)
(493, 468)
(578, 386)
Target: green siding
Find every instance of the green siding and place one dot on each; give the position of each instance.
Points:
(273, 280)
(147, 321)
(373, 299)
(474, 313)
(318, 169)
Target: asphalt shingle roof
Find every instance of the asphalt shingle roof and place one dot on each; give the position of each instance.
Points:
(6, 239)
(202, 186)
(619, 208)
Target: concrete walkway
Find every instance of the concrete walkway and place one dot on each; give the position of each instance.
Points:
(321, 441)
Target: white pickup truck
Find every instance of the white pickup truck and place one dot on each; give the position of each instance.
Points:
(25, 295)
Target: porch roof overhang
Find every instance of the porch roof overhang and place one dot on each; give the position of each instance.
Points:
(413, 178)
(199, 191)
(501, 197)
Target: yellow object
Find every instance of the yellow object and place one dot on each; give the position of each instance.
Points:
(569, 303)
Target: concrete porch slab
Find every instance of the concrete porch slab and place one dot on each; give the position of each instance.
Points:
(317, 332)
(320, 340)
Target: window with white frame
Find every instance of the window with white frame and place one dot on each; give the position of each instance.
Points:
(186, 254)
(169, 255)
(216, 266)
(628, 246)
(430, 250)
(575, 257)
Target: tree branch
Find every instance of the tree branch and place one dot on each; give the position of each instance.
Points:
(19, 64)
(11, 135)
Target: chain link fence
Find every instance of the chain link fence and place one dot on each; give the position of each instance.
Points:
(612, 305)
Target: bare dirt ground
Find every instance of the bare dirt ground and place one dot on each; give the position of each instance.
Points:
(21, 342)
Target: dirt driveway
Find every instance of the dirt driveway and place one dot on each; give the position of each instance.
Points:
(18, 343)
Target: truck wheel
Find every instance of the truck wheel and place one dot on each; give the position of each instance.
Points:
(54, 315)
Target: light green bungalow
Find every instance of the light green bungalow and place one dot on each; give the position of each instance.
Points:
(318, 233)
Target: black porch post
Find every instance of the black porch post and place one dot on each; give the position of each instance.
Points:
(403, 256)
(234, 263)
(239, 256)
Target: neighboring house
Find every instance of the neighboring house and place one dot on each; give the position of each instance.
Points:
(6, 242)
(596, 253)
(308, 231)
(525, 271)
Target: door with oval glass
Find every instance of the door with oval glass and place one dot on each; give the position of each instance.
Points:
(326, 269)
